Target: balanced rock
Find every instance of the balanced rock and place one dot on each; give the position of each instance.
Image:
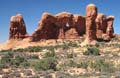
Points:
(110, 29)
(91, 14)
(17, 27)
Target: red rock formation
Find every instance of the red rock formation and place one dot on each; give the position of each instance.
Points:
(61, 26)
(65, 22)
(79, 23)
(65, 25)
(91, 14)
(17, 27)
(46, 28)
(101, 25)
(110, 30)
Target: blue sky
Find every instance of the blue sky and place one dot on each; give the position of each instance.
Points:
(33, 9)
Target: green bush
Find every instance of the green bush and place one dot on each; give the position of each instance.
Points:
(34, 49)
(34, 57)
(29, 49)
(51, 53)
(73, 44)
(98, 65)
(70, 55)
(84, 65)
(102, 65)
(2, 65)
(19, 50)
(25, 64)
(46, 64)
(71, 63)
(18, 60)
(92, 51)
(7, 58)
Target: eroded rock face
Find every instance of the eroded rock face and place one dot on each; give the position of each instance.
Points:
(101, 25)
(91, 14)
(66, 25)
(46, 28)
(79, 23)
(110, 29)
(61, 26)
(17, 27)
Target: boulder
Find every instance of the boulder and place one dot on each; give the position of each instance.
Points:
(17, 27)
(91, 14)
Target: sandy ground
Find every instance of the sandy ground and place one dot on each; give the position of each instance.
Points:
(15, 44)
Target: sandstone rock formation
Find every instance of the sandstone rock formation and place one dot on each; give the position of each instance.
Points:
(61, 26)
(46, 28)
(110, 30)
(66, 25)
(71, 26)
(91, 14)
(17, 27)
(101, 25)
(65, 22)
(79, 23)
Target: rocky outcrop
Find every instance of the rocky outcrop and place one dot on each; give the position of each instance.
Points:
(46, 28)
(79, 23)
(61, 26)
(91, 14)
(110, 29)
(66, 25)
(101, 25)
(17, 27)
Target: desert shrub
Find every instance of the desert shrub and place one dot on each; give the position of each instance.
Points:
(2, 65)
(29, 49)
(73, 44)
(19, 50)
(98, 65)
(25, 64)
(102, 65)
(9, 50)
(65, 46)
(71, 63)
(51, 53)
(46, 64)
(70, 55)
(34, 57)
(7, 58)
(18, 60)
(92, 51)
(83, 64)
(34, 49)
